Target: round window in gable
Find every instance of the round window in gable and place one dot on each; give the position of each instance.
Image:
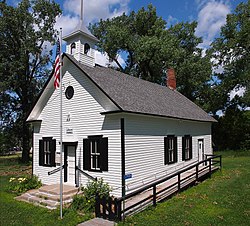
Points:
(69, 93)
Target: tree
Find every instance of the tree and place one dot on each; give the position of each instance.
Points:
(232, 51)
(151, 48)
(24, 31)
(232, 132)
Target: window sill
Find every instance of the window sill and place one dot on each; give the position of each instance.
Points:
(170, 163)
(47, 165)
(93, 170)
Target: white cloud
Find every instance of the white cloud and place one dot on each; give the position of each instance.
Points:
(103, 60)
(237, 92)
(171, 20)
(211, 17)
(67, 23)
(95, 10)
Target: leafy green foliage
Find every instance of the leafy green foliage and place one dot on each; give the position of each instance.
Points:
(23, 184)
(232, 132)
(231, 51)
(86, 201)
(24, 31)
(151, 48)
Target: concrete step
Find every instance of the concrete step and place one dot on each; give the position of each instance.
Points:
(49, 195)
(53, 197)
(50, 204)
(54, 189)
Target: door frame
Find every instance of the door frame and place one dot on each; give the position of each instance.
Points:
(66, 145)
(202, 154)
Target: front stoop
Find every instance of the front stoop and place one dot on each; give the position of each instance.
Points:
(98, 222)
(49, 195)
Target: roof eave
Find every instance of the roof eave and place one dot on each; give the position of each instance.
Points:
(155, 115)
(77, 32)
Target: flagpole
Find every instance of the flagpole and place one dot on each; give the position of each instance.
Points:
(61, 181)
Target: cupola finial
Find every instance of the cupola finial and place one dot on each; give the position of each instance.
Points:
(81, 15)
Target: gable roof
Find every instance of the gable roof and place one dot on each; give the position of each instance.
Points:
(134, 95)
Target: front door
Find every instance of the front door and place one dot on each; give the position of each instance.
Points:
(70, 166)
(200, 149)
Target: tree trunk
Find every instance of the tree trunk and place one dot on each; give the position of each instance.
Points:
(25, 142)
(25, 126)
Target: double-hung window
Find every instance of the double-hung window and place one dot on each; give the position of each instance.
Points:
(47, 150)
(170, 149)
(95, 153)
(186, 147)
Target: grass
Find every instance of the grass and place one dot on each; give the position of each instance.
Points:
(20, 213)
(222, 200)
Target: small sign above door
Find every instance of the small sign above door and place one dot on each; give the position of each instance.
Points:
(69, 131)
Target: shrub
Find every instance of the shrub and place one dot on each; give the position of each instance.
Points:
(86, 201)
(23, 184)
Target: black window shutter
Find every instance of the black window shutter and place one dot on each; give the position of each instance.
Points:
(53, 152)
(175, 149)
(183, 148)
(191, 151)
(86, 154)
(41, 153)
(103, 149)
(166, 156)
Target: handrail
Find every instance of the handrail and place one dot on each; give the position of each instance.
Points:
(85, 174)
(56, 170)
(115, 211)
(165, 179)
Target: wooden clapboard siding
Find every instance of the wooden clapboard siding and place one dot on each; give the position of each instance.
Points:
(144, 135)
(144, 141)
(85, 120)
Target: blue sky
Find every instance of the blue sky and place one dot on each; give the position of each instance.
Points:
(210, 14)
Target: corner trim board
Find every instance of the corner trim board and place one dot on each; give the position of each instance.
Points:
(123, 155)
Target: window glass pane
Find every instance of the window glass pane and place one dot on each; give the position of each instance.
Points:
(48, 159)
(96, 149)
(98, 161)
(171, 149)
(94, 161)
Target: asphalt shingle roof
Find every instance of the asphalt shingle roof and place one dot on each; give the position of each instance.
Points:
(135, 95)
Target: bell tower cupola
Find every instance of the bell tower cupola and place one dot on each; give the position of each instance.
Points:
(81, 43)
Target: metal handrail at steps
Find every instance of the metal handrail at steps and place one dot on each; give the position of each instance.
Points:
(195, 174)
(86, 175)
(56, 170)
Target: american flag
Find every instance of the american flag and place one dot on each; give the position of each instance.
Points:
(57, 66)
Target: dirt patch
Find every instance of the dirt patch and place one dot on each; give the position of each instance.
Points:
(16, 170)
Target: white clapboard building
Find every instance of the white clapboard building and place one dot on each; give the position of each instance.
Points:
(117, 127)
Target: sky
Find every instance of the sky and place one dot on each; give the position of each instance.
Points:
(210, 14)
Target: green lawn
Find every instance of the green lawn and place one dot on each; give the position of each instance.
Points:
(20, 213)
(222, 200)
